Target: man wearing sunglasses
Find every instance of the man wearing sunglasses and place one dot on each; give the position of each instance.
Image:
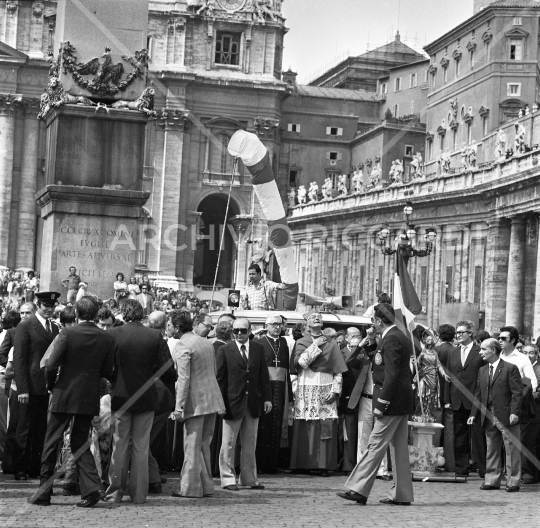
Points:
(463, 367)
(202, 325)
(243, 378)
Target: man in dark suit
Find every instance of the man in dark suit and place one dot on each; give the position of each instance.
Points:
(146, 299)
(84, 353)
(244, 381)
(32, 339)
(497, 407)
(463, 368)
(393, 401)
(445, 351)
(140, 355)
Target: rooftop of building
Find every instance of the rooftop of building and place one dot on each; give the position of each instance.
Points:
(335, 93)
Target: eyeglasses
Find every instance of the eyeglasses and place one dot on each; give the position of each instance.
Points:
(242, 331)
(503, 338)
(463, 332)
(273, 324)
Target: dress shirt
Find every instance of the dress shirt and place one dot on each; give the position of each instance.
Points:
(246, 344)
(43, 321)
(386, 331)
(368, 384)
(465, 350)
(523, 363)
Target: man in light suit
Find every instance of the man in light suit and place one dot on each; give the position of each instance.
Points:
(198, 399)
(244, 381)
(393, 401)
(32, 339)
(146, 300)
(497, 406)
(84, 353)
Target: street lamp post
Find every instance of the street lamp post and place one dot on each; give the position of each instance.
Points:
(403, 242)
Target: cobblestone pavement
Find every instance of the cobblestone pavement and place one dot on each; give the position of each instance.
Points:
(288, 501)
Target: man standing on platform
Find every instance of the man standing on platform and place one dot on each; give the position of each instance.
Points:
(463, 368)
(393, 401)
(32, 339)
(258, 294)
(244, 382)
(273, 429)
(84, 354)
(71, 282)
(497, 406)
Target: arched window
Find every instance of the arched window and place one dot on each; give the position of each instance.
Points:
(220, 158)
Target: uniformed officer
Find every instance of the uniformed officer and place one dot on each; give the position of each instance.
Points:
(393, 401)
(33, 337)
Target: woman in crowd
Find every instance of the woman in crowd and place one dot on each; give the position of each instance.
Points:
(120, 289)
(133, 288)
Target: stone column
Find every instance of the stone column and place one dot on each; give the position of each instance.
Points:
(309, 267)
(465, 254)
(496, 273)
(7, 126)
(192, 224)
(36, 31)
(516, 273)
(338, 270)
(26, 225)
(11, 22)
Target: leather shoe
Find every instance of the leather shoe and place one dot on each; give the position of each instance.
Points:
(395, 503)
(21, 475)
(258, 486)
(487, 487)
(231, 487)
(154, 487)
(39, 500)
(353, 496)
(512, 489)
(91, 500)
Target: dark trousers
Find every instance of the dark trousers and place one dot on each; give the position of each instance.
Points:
(80, 447)
(529, 438)
(348, 450)
(153, 468)
(464, 436)
(30, 435)
(10, 447)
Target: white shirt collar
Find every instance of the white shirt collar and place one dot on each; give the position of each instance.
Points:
(43, 321)
(386, 331)
(467, 347)
(246, 344)
(495, 365)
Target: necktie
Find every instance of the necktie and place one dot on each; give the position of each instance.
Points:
(463, 355)
(243, 351)
(489, 383)
(48, 326)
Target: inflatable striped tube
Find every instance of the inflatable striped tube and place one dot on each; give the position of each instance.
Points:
(255, 157)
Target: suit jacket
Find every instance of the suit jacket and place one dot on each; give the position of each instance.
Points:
(464, 378)
(243, 387)
(445, 351)
(85, 354)
(392, 384)
(197, 390)
(529, 411)
(358, 364)
(148, 306)
(140, 352)
(506, 393)
(31, 343)
(5, 347)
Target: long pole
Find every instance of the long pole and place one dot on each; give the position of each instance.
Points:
(235, 162)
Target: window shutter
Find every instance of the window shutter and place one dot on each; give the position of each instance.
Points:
(339, 131)
(289, 127)
(298, 128)
(328, 130)
(328, 155)
(339, 156)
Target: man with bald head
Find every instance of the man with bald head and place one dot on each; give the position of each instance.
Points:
(273, 426)
(243, 378)
(158, 320)
(497, 406)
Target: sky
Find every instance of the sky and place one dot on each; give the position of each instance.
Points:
(322, 30)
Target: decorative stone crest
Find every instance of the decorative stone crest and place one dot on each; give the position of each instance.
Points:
(267, 128)
(8, 102)
(107, 78)
(55, 96)
(173, 119)
(12, 6)
(37, 9)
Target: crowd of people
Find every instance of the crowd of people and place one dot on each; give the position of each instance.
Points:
(99, 393)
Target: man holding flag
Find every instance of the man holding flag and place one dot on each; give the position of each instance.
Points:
(393, 397)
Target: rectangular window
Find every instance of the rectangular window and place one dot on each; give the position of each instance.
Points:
(484, 126)
(413, 82)
(454, 139)
(469, 133)
(334, 156)
(471, 60)
(478, 272)
(409, 150)
(458, 67)
(449, 282)
(293, 127)
(517, 21)
(293, 175)
(513, 89)
(430, 150)
(441, 142)
(397, 84)
(516, 49)
(395, 110)
(445, 75)
(432, 81)
(334, 131)
(384, 88)
(227, 48)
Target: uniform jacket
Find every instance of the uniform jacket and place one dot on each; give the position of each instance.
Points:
(197, 390)
(31, 343)
(84, 353)
(445, 350)
(464, 378)
(140, 352)
(5, 347)
(392, 383)
(243, 387)
(506, 393)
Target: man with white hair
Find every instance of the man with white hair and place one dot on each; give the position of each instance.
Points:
(272, 432)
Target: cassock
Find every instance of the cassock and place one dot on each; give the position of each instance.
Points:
(273, 428)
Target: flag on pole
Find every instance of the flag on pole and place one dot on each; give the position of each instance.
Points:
(407, 305)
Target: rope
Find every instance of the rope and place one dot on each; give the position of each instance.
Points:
(235, 163)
